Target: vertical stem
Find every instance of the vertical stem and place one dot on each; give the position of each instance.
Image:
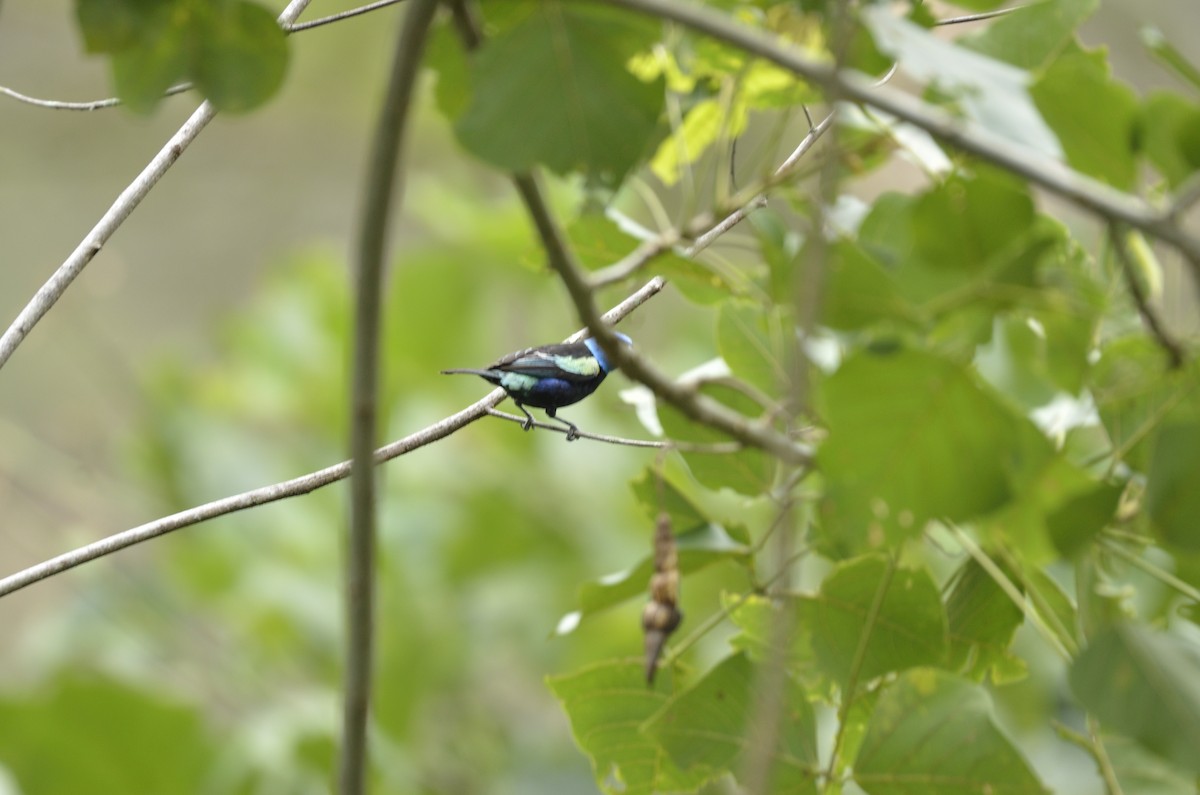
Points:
(382, 187)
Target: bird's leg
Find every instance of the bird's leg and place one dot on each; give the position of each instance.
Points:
(572, 428)
(528, 423)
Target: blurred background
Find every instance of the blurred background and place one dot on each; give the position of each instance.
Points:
(203, 353)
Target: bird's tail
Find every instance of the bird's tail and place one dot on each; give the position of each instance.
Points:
(468, 371)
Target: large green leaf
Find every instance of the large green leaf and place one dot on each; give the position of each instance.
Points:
(972, 242)
(1092, 115)
(241, 56)
(704, 728)
(877, 618)
(607, 705)
(933, 734)
(97, 735)
(564, 66)
(912, 437)
(1145, 685)
(1034, 35)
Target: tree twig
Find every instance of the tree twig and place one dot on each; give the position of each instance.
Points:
(698, 407)
(383, 189)
(353, 12)
(716, 448)
(979, 17)
(1158, 329)
(125, 204)
(288, 488)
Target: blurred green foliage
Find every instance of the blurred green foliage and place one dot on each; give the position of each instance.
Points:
(999, 501)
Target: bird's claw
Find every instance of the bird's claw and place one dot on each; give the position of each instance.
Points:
(572, 434)
(527, 425)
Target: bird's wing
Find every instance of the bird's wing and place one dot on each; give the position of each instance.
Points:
(571, 362)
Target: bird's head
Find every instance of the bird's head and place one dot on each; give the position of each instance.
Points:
(598, 352)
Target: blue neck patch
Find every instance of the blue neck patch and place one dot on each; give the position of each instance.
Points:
(598, 352)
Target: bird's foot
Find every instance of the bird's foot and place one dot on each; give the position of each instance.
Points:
(572, 433)
(527, 425)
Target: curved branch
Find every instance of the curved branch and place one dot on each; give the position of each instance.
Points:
(95, 104)
(384, 185)
(288, 488)
(125, 204)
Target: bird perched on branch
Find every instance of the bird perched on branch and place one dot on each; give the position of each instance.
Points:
(549, 377)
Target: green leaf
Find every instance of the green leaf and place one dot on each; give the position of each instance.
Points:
(1168, 132)
(933, 734)
(1144, 773)
(241, 56)
(161, 745)
(969, 243)
(880, 619)
(110, 25)
(606, 705)
(1092, 115)
(981, 619)
(749, 471)
(1033, 36)
(564, 66)
(697, 548)
(913, 437)
(1135, 392)
(145, 70)
(1145, 685)
(1172, 497)
(754, 616)
(702, 127)
(704, 728)
(757, 344)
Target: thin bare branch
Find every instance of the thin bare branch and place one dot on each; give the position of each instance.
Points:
(716, 448)
(95, 104)
(979, 17)
(353, 12)
(289, 488)
(125, 204)
(1154, 323)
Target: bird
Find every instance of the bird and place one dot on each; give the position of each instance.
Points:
(549, 377)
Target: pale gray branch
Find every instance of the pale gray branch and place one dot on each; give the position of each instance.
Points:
(288, 488)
